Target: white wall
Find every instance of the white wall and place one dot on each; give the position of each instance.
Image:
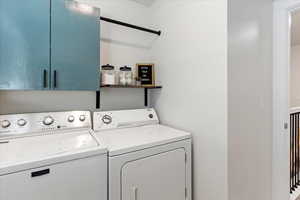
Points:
(295, 77)
(119, 46)
(250, 99)
(191, 64)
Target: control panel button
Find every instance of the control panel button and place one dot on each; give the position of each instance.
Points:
(71, 118)
(106, 119)
(48, 120)
(82, 118)
(22, 122)
(5, 124)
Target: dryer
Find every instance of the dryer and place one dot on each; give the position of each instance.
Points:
(51, 156)
(147, 160)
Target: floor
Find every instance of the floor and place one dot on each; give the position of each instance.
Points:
(295, 195)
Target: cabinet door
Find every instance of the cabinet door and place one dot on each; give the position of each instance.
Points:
(75, 46)
(159, 177)
(24, 44)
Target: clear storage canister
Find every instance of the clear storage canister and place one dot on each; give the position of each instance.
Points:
(126, 76)
(108, 75)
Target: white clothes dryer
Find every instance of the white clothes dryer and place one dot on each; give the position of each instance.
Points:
(147, 161)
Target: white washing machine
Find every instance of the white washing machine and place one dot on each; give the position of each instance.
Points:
(51, 156)
(147, 161)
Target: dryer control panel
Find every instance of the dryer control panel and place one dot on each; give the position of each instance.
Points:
(124, 119)
(19, 125)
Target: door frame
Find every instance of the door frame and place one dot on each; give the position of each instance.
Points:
(281, 68)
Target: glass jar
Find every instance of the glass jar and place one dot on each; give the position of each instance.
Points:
(108, 75)
(126, 76)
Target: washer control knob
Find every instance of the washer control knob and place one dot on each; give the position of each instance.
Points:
(82, 118)
(106, 119)
(71, 118)
(48, 120)
(22, 122)
(5, 124)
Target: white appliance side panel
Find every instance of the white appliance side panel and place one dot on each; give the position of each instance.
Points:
(159, 177)
(74, 180)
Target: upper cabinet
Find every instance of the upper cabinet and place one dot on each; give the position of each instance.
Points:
(49, 45)
(75, 46)
(24, 44)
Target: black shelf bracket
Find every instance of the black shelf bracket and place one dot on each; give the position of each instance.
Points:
(98, 99)
(130, 25)
(146, 97)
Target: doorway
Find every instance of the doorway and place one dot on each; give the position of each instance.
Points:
(286, 146)
(294, 104)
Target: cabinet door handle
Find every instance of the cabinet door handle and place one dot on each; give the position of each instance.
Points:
(40, 173)
(45, 78)
(55, 79)
(135, 191)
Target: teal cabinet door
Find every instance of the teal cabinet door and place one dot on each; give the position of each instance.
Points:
(75, 46)
(24, 44)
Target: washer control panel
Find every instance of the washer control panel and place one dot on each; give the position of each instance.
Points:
(124, 119)
(23, 124)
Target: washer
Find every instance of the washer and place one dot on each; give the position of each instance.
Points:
(146, 160)
(51, 156)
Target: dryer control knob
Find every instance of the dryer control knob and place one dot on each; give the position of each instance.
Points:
(106, 119)
(48, 120)
(5, 124)
(71, 118)
(82, 118)
(22, 122)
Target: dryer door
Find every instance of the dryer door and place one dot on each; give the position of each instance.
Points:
(159, 177)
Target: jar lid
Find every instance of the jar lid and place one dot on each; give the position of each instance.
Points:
(107, 67)
(125, 68)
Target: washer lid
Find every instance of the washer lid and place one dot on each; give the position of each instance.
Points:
(120, 141)
(32, 149)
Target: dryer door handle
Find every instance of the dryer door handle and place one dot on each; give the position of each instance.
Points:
(135, 193)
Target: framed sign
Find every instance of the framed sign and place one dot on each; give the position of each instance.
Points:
(146, 74)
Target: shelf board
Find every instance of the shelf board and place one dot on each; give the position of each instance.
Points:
(131, 86)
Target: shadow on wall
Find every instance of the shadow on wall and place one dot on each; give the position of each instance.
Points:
(12, 102)
(147, 3)
(126, 37)
(123, 43)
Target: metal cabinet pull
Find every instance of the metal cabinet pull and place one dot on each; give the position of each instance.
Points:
(55, 79)
(40, 173)
(45, 79)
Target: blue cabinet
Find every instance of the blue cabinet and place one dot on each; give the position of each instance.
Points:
(49, 45)
(24, 44)
(75, 46)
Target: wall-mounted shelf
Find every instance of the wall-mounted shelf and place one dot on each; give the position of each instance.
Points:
(146, 88)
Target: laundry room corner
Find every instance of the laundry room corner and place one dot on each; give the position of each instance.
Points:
(148, 100)
(191, 58)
